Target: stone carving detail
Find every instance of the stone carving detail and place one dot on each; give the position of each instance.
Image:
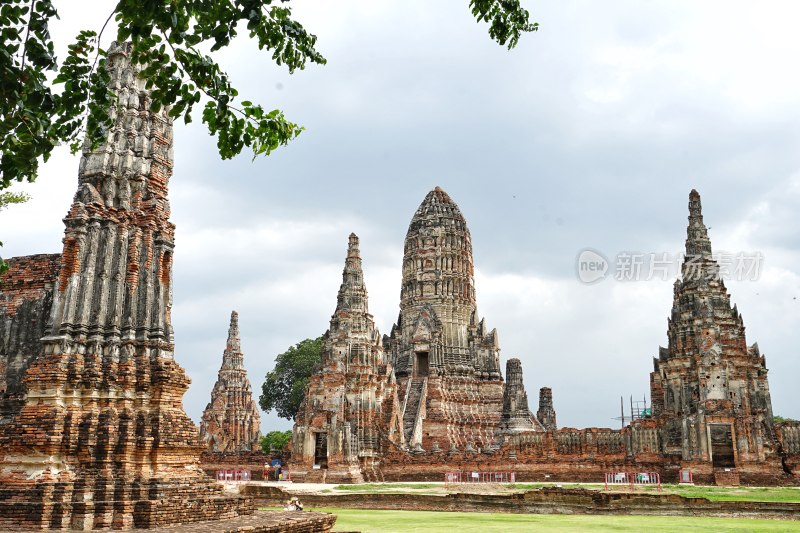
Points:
(230, 422)
(102, 440)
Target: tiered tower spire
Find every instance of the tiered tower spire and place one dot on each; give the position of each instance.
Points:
(437, 297)
(697, 241)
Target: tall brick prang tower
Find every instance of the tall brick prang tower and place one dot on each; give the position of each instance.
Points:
(447, 362)
(231, 421)
(102, 440)
(708, 386)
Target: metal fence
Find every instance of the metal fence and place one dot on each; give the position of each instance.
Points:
(632, 479)
(460, 478)
(233, 475)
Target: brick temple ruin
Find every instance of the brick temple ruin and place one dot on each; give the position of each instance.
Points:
(92, 429)
(430, 397)
(93, 432)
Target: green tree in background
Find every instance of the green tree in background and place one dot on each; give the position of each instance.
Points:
(285, 387)
(7, 198)
(779, 419)
(274, 441)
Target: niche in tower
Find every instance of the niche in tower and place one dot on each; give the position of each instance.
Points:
(421, 364)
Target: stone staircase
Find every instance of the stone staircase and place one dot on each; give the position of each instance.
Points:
(412, 407)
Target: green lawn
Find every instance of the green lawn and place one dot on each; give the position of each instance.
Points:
(762, 494)
(368, 521)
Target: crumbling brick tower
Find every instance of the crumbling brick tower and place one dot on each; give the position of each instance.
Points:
(447, 363)
(102, 440)
(231, 421)
(708, 387)
(517, 417)
(350, 412)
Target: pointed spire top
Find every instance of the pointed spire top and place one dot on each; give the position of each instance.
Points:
(352, 247)
(233, 347)
(353, 292)
(697, 241)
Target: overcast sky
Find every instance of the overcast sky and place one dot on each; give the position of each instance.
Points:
(590, 134)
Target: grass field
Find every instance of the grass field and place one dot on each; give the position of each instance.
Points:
(762, 494)
(368, 521)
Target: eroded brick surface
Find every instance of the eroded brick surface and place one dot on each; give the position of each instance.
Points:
(26, 296)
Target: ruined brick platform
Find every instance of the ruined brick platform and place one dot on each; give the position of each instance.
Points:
(258, 522)
(548, 500)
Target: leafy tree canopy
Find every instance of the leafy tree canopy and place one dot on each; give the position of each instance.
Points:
(778, 419)
(274, 441)
(285, 387)
(167, 38)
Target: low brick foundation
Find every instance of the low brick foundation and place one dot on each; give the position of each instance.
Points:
(258, 522)
(543, 501)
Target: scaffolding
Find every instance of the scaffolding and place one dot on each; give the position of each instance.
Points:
(638, 409)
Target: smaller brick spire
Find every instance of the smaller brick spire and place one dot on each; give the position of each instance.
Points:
(546, 414)
(231, 420)
(516, 414)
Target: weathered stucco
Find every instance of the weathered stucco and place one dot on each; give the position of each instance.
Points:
(26, 298)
